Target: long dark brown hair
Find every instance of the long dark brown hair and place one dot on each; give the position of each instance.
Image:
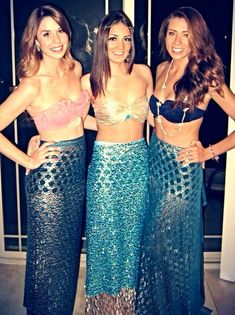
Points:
(205, 68)
(100, 71)
(30, 56)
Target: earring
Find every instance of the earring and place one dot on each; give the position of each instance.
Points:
(127, 60)
(38, 48)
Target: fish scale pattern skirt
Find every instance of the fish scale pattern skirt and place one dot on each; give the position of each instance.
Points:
(55, 201)
(171, 267)
(117, 198)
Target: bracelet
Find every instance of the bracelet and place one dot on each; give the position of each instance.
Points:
(212, 152)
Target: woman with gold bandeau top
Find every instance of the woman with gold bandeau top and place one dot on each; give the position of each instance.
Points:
(117, 194)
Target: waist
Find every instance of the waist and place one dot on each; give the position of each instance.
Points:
(69, 142)
(109, 143)
(180, 135)
(167, 153)
(181, 142)
(107, 150)
(124, 132)
(62, 134)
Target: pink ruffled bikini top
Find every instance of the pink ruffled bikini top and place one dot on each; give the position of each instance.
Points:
(61, 114)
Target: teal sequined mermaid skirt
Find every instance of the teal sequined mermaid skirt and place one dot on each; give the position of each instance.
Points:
(116, 203)
(55, 201)
(171, 269)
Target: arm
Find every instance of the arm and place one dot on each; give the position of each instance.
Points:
(145, 71)
(197, 153)
(150, 117)
(10, 109)
(225, 145)
(226, 102)
(150, 114)
(89, 121)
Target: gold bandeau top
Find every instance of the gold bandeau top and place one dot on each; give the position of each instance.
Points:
(111, 111)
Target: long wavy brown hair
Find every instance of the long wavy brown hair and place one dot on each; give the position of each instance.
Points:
(30, 57)
(204, 69)
(100, 71)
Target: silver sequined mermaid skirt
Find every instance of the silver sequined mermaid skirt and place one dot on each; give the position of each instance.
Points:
(116, 202)
(171, 269)
(55, 200)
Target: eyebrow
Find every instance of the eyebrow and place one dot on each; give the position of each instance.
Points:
(171, 29)
(112, 34)
(51, 30)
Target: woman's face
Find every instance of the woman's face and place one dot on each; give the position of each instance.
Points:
(177, 39)
(119, 43)
(51, 39)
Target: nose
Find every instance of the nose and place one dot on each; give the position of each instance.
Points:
(120, 44)
(56, 38)
(177, 39)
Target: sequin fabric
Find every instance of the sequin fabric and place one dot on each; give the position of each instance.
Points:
(171, 268)
(55, 199)
(116, 202)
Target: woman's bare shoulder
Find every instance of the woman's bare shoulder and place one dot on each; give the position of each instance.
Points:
(142, 70)
(30, 85)
(161, 67)
(78, 68)
(141, 67)
(85, 82)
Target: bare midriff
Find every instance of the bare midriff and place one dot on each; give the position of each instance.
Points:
(183, 137)
(129, 130)
(66, 133)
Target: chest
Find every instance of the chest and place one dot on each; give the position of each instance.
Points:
(53, 91)
(128, 90)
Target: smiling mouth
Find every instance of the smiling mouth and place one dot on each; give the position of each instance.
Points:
(119, 53)
(177, 50)
(57, 49)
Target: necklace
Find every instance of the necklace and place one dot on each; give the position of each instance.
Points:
(159, 104)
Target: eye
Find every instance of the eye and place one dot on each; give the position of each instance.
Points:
(112, 38)
(186, 35)
(127, 39)
(170, 33)
(46, 34)
(60, 30)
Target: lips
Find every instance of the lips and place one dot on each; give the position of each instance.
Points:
(57, 49)
(177, 50)
(119, 53)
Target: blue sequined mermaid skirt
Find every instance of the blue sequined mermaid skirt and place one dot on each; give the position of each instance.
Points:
(171, 269)
(55, 201)
(116, 202)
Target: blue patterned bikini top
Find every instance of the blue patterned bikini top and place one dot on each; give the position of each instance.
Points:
(111, 111)
(173, 115)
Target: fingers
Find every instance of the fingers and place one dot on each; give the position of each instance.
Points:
(186, 156)
(46, 144)
(33, 144)
(45, 153)
(190, 154)
(27, 170)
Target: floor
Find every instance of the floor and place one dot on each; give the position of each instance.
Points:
(220, 294)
